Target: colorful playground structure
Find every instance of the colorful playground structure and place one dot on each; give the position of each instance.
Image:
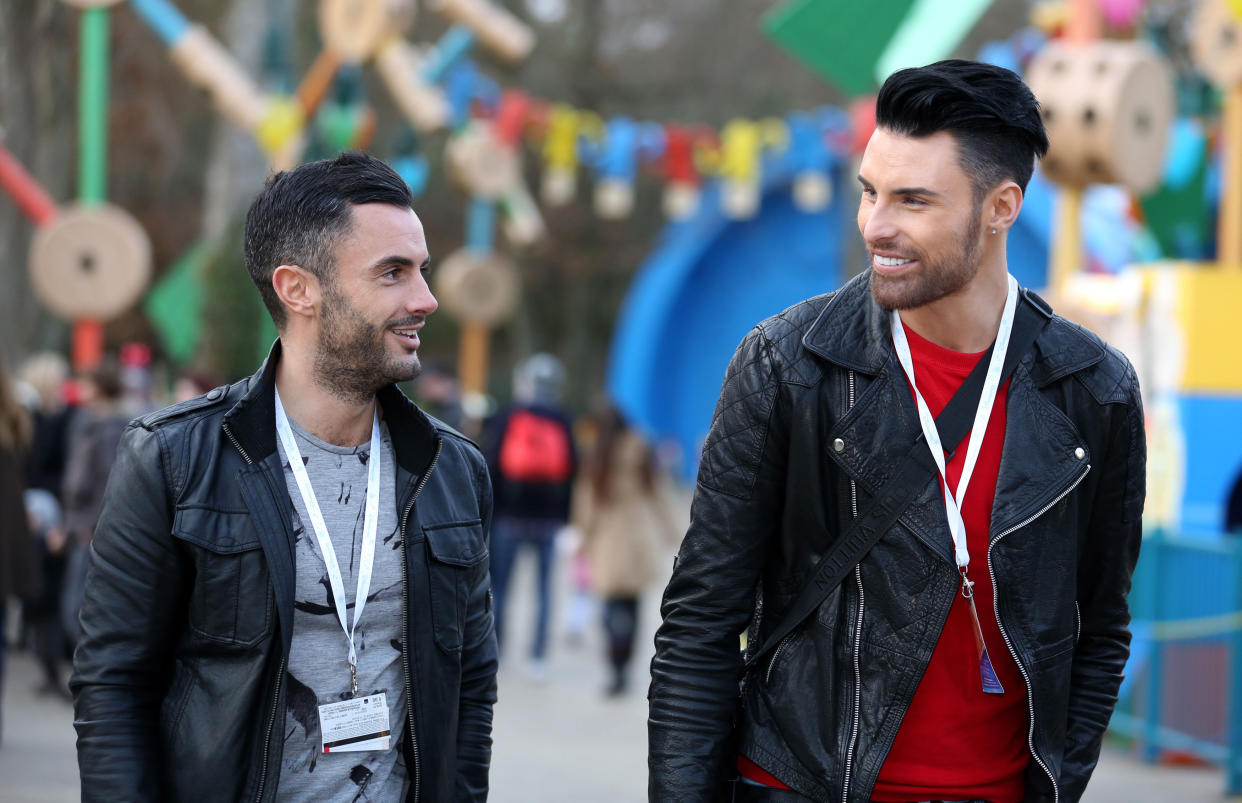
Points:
(1133, 227)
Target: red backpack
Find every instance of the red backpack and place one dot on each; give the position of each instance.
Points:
(535, 449)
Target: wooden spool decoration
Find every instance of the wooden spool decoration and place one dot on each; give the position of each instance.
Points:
(477, 288)
(498, 30)
(207, 64)
(1216, 42)
(355, 29)
(423, 104)
(90, 262)
(485, 167)
(1107, 108)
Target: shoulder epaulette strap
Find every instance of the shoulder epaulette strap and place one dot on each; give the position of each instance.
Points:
(208, 399)
(1038, 303)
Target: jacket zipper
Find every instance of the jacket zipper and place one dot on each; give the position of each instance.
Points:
(776, 654)
(1077, 622)
(271, 722)
(280, 670)
(862, 604)
(228, 431)
(405, 621)
(1030, 695)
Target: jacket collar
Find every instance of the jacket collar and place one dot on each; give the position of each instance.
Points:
(252, 420)
(854, 332)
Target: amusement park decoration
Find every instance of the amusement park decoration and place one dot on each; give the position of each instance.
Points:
(353, 32)
(856, 45)
(1217, 48)
(1183, 316)
(89, 262)
(1107, 107)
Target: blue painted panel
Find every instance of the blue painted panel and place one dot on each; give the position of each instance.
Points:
(707, 285)
(1212, 427)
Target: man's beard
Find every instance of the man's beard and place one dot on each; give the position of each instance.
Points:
(935, 279)
(351, 360)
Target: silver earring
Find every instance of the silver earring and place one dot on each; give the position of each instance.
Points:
(993, 231)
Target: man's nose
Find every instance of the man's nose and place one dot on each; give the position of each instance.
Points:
(879, 225)
(421, 301)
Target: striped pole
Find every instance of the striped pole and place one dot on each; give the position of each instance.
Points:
(88, 335)
(93, 107)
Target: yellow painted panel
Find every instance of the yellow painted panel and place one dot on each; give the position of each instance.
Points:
(1210, 310)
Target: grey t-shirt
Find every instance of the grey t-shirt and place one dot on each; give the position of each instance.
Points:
(318, 668)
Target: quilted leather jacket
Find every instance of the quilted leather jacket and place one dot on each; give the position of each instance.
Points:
(814, 416)
(188, 614)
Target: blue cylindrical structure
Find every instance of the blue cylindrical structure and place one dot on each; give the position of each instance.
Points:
(162, 17)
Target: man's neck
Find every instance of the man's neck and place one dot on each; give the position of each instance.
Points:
(967, 320)
(330, 417)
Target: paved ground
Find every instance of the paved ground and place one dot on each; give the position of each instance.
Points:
(557, 741)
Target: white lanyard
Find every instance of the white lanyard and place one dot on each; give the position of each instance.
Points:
(991, 384)
(370, 522)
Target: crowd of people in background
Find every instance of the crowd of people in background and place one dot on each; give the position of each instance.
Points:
(587, 489)
(58, 439)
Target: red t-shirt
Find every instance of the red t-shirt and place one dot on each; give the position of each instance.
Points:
(957, 742)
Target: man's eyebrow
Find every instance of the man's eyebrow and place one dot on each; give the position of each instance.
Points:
(924, 191)
(396, 261)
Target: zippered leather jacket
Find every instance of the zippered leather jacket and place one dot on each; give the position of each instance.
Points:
(187, 619)
(814, 416)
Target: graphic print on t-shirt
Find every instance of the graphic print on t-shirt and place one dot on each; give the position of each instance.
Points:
(318, 670)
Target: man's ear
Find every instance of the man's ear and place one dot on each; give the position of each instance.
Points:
(297, 288)
(1005, 202)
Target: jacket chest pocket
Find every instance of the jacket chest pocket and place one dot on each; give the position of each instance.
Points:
(231, 600)
(456, 552)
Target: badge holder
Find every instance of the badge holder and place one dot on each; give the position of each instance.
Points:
(355, 725)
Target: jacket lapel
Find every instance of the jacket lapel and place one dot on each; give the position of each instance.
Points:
(886, 408)
(1039, 460)
(263, 488)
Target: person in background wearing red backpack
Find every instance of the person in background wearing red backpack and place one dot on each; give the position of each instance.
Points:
(532, 461)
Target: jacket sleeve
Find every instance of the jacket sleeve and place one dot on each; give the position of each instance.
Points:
(127, 623)
(478, 669)
(1105, 567)
(710, 598)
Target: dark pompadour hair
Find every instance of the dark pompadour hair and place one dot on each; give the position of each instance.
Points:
(988, 110)
(301, 214)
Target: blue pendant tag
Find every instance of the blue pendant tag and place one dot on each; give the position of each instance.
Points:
(987, 674)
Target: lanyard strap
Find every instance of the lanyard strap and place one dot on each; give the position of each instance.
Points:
(370, 522)
(991, 385)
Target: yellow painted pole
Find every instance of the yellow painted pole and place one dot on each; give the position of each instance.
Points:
(1229, 226)
(1082, 27)
(473, 367)
(1067, 239)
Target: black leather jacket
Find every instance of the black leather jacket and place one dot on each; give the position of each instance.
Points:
(186, 623)
(776, 486)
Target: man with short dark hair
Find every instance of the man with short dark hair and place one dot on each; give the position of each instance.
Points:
(922, 494)
(288, 596)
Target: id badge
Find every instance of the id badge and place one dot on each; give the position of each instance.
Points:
(355, 725)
